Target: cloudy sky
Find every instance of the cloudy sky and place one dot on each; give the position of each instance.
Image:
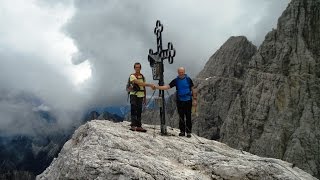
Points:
(76, 54)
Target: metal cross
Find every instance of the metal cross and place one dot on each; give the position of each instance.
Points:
(156, 62)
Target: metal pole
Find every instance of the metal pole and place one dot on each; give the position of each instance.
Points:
(162, 109)
(159, 29)
(156, 59)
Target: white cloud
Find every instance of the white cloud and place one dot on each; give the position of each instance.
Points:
(35, 57)
(115, 34)
(82, 72)
(42, 107)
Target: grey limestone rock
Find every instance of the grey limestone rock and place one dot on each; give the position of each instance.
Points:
(108, 150)
(277, 113)
(219, 83)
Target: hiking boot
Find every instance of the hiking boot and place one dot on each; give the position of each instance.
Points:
(140, 129)
(181, 134)
(188, 135)
(133, 128)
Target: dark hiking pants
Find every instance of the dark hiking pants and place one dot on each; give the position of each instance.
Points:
(136, 110)
(184, 110)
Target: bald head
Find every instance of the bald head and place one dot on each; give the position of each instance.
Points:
(181, 72)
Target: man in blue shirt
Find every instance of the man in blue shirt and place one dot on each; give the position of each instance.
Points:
(186, 98)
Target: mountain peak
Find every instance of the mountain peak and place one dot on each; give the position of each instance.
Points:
(230, 60)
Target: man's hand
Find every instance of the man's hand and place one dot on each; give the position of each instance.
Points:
(153, 87)
(194, 102)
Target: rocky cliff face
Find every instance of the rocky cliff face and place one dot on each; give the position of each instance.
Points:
(152, 115)
(277, 112)
(219, 83)
(107, 150)
(267, 101)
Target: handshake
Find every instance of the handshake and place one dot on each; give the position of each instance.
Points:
(153, 86)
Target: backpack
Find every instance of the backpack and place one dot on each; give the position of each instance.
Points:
(183, 93)
(132, 87)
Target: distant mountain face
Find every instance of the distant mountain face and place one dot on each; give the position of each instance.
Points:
(115, 113)
(32, 154)
(105, 115)
(25, 175)
(120, 111)
(29, 154)
(151, 114)
(31, 138)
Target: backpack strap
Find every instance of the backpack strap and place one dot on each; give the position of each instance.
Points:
(136, 75)
(144, 80)
(129, 82)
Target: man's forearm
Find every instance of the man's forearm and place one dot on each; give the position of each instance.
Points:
(147, 84)
(194, 94)
(166, 87)
(143, 84)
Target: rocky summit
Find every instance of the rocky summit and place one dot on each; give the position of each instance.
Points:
(103, 149)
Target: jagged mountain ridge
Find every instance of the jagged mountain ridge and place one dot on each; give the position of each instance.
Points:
(103, 116)
(119, 111)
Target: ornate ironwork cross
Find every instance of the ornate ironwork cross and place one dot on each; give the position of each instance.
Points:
(156, 62)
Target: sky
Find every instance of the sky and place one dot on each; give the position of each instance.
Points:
(76, 54)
